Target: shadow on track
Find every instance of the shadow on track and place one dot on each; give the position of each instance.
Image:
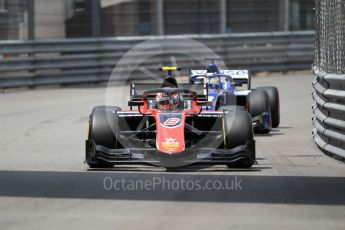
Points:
(255, 189)
(274, 132)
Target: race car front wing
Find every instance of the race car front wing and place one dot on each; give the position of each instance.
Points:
(152, 156)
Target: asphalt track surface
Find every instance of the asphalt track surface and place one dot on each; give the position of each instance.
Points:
(45, 185)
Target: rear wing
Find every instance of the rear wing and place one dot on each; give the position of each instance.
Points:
(197, 73)
(137, 90)
(240, 77)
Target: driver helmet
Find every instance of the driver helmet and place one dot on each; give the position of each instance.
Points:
(214, 83)
(166, 102)
(212, 68)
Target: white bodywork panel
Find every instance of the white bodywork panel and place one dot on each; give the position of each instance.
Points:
(234, 74)
(242, 92)
(198, 72)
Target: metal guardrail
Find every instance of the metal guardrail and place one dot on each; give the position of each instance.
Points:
(329, 112)
(34, 63)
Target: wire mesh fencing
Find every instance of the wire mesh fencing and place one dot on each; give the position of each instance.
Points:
(330, 36)
(110, 18)
(12, 15)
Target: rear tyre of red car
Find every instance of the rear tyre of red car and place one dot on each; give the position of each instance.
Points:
(102, 131)
(238, 130)
(273, 95)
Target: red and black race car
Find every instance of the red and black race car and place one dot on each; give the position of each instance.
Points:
(169, 129)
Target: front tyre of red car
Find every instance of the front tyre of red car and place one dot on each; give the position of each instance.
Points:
(238, 130)
(102, 130)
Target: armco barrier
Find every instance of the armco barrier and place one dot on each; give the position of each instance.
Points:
(329, 112)
(67, 61)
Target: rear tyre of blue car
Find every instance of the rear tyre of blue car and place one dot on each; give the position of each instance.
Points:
(102, 131)
(258, 103)
(273, 95)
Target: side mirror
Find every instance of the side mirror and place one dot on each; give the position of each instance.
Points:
(204, 103)
(136, 103)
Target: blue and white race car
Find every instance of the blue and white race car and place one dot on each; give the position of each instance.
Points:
(225, 88)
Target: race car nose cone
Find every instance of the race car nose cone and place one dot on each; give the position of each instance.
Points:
(170, 133)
